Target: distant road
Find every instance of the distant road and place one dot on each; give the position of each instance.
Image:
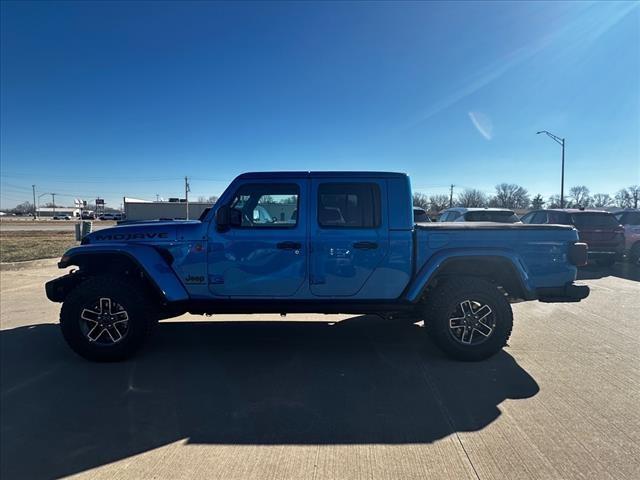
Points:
(48, 226)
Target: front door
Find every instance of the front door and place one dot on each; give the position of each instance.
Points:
(265, 256)
(348, 234)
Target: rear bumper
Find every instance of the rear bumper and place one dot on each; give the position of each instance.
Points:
(570, 292)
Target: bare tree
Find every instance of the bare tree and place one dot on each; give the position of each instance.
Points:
(471, 197)
(510, 195)
(438, 202)
(537, 202)
(421, 200)
(23, 208)
(209, 199)
(601, 200)
(623, 198)
(553, 201)
(634, 191)
(579, 196)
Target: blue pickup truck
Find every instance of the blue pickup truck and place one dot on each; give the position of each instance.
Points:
(322, 242)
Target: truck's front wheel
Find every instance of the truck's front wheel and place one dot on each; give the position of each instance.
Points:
(469, 318)
(106, 318)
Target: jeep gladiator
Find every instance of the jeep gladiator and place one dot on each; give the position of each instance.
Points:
(321, 242)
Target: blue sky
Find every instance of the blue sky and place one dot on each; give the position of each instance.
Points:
(127, 98)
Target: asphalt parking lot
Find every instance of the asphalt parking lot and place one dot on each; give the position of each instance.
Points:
(333, 397)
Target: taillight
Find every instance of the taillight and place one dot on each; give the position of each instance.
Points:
(578, 254)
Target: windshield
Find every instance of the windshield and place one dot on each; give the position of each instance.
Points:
(505, 216)
(594, 219)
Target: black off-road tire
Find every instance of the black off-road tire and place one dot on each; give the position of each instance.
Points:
(134, 298)
(442, 304)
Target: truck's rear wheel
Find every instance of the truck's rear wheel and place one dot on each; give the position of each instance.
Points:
(469, 318)
(107, 318)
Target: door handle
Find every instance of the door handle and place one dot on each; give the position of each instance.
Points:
(365, 245)
(289, 245)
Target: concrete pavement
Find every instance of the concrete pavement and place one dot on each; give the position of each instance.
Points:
(315, 396)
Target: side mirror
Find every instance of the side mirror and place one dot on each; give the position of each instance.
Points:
(228, 217)
(222, 217)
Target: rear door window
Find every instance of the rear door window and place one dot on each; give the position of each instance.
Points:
(527, 218)
(540, 217)
(348, 205)
(558, 218)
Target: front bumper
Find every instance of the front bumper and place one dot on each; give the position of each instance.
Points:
(58, 288)
(569, 292)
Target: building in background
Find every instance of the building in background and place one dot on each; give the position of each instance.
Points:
(43, 212)
(136, 209)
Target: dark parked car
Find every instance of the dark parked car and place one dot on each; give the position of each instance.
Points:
(600, 230)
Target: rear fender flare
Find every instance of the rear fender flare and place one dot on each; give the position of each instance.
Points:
(438, 263)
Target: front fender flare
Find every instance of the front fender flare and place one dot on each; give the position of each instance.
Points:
(146, 257)
(438, 261)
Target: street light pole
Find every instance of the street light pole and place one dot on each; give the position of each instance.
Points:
(562, 178)
(38, 207)
(561, 142)
(35, 212)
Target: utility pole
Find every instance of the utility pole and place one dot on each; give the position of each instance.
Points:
(35, 211)
(451, 196)
(559, 141)
(187, 189)
(53, 200)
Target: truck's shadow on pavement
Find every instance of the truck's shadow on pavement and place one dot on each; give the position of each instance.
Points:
(356, 381)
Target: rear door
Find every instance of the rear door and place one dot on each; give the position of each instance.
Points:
(348, 234)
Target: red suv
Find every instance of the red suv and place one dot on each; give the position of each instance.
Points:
(600, 230)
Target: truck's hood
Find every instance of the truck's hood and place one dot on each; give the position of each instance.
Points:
(147, 232)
